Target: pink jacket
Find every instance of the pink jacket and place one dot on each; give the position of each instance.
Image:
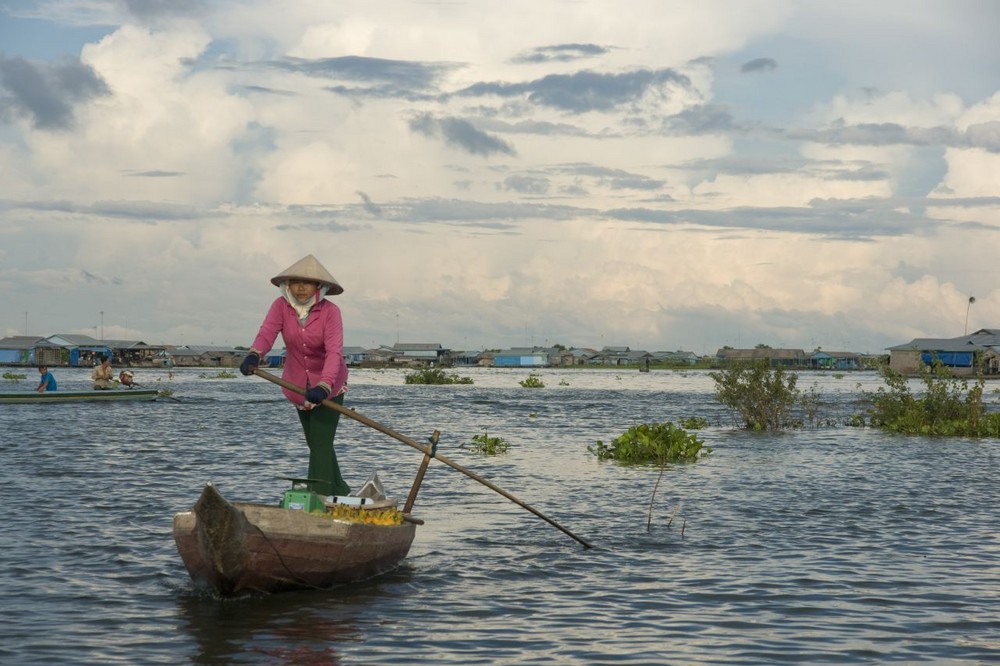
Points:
(314, 354)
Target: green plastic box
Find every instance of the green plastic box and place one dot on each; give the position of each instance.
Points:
(302, 500)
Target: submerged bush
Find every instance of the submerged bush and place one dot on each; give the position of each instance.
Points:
(221, 374)
(652, 443)
(435, 376)
(947, 406)
(533, 381)
(488, 445)
(693, 423)
(761, 397)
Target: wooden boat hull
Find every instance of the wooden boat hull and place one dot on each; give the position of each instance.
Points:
(54, 397)
(236, 548)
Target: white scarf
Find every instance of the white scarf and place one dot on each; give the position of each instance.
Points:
(303, 308)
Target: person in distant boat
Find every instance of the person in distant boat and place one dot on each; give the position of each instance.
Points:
(103, 375)
(48, 382)
(127, 378)
(313, 333)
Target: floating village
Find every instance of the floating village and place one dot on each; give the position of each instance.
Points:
(964, 355)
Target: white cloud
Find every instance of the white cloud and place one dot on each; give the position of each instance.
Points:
(635, 205)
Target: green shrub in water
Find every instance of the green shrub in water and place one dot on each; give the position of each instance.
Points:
(760, 396)
(948, 405)
(533, 381)
(652, 443)
(435, 376)
(488, 445)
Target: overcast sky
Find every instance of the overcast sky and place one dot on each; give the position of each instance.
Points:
(662, 175)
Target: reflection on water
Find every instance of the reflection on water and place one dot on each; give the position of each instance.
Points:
(835, 545)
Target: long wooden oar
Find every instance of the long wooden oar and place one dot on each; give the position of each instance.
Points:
(426, 450)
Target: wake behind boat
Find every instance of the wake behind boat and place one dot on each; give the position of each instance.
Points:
(53, 397)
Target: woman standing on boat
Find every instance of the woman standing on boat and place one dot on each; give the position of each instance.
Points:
(313, 332)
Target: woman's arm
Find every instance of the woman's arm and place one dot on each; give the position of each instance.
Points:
(334, 368)
(269, 329)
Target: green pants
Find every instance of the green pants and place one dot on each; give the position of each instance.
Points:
(320, 427)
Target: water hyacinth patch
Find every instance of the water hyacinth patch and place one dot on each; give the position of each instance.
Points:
(533, 381)
(435, 376)
(488, 445)
(652, 443)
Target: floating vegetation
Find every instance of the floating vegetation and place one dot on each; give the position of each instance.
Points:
(435, 376)
(221, 374)
(14, 377)
(359, 514)
(693, 423)
(948, 406)
(652, 443)
(165, 393)
(760, 396)
(533, 381)
(488, 445)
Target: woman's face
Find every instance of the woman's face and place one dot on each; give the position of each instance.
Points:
(302, 290)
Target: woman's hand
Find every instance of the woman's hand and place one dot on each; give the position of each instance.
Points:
(250, 363)
(317, 394)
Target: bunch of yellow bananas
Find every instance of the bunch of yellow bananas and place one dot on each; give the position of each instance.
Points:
(357, 514)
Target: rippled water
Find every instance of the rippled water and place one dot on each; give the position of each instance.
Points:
(828, 545)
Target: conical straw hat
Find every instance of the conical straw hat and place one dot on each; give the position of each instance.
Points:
(309, 268)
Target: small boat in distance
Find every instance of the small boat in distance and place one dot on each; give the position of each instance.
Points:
(237, 548)
(53, 397)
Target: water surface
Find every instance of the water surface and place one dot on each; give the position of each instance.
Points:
(828, 545)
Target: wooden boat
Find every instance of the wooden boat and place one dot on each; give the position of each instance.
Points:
(236, 548)
(51, 397)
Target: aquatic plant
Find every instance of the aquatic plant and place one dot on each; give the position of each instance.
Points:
(14, 377)
(693, 423)
(532, 381)
(488, 445)
(435, 376)
(221, 374)
(947, 406)
(652, 443)
(760, 396)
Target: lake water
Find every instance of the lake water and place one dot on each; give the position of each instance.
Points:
(829, 545)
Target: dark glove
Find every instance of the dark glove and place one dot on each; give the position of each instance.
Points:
(317, 394)
(250, 363)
